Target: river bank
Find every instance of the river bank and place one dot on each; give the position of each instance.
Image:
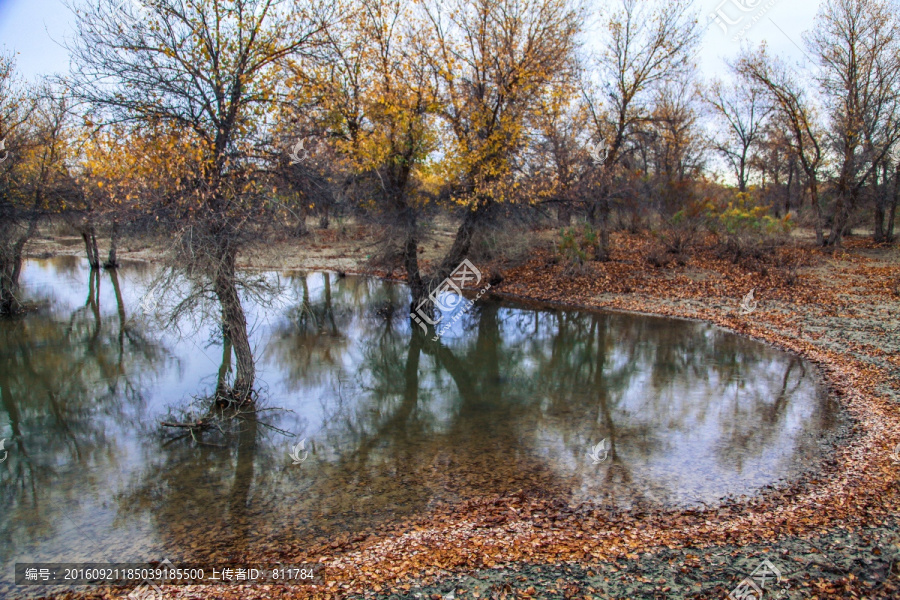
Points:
(832, 534)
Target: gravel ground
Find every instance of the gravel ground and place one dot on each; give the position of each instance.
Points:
(868, 556)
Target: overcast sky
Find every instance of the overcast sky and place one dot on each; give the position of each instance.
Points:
(37, 29)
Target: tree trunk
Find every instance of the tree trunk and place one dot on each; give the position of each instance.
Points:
(564, 214)
(788, 204)
(89, 235)
(894, 201)
(880, 202)
(234, 325)
(602, 253)
(776, 185)
(462, 243)
(9, 287)
(224, 370)
(846, 200)
(592, 214)
(814, 199)
(417, 287)
(302, 230)
(420, 286)
(11, 268)
(112, 261)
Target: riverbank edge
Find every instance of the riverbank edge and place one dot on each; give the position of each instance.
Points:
(857, 497)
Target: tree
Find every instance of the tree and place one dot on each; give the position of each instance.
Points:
(104, 180)
(676, 144)
(33, 174)
(857, 43)
(796, 115)
(743, 112)
(643, 47)
(492, 60)
(18, 218)
(561, 156)
(206, 71)
(887, 196)
(775, 161)
(378, 99)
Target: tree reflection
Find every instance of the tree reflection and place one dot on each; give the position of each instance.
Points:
(395, 422)
(311, 339)
(64, 378)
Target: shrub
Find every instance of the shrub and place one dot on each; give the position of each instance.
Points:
(577, 245)
(745, 228)
(743, 216)
(677, 235)
(658, 257)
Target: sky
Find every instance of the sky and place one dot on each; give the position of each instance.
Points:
(36, 31)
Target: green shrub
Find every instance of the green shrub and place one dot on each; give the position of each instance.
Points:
(746, 229)
(742, 216)
(577, 245)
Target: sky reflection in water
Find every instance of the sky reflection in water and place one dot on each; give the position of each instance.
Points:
(511, 399)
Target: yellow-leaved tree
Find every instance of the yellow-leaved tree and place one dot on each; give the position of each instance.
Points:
(375, 97)
(492, 60)
(34, 178)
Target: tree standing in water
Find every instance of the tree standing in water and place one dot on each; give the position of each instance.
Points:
(200, 77)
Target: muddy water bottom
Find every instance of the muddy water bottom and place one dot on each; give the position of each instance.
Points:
(587, 408)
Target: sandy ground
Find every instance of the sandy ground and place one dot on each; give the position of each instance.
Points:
(832, 535)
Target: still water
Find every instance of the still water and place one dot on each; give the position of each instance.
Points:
(512, 398)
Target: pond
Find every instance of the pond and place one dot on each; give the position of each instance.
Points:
(512, 398)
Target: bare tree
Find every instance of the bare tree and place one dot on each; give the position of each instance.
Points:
(645, 44)
(887, 197)
(743, 112)
(675, 145)
(796, 115)
(561, 157)
(857, 43)
(774, 159)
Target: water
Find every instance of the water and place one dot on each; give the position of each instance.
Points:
(513, 398)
